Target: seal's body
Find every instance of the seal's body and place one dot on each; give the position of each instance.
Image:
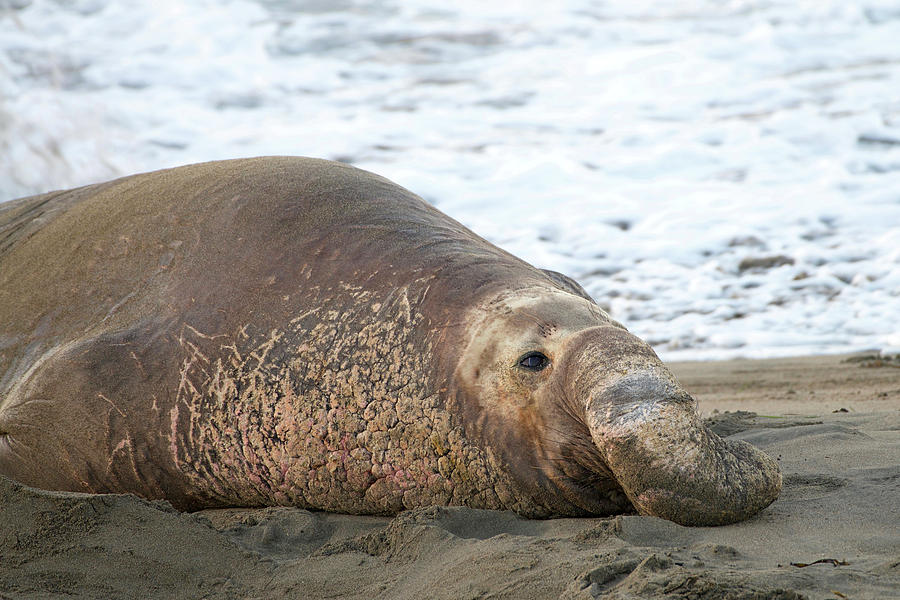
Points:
(296, 331)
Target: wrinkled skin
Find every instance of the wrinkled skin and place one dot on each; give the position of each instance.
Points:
(298, 332)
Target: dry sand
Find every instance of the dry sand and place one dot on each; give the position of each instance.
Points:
(840, 504)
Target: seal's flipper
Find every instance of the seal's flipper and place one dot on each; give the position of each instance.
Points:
(98, 395)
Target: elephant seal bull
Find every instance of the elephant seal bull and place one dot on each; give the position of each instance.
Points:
(290, 331)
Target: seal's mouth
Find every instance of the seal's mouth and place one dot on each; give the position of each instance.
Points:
(585, 480)
(600, 497)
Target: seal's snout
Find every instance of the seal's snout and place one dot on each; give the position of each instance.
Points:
(669, 464)
(645, 388)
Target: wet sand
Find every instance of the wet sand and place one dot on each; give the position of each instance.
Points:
(840, 506)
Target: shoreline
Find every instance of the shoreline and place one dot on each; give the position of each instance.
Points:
(857, 382)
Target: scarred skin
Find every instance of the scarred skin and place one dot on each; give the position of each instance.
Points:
(286, 331)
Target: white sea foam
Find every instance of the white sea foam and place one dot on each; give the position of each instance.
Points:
(724, 176)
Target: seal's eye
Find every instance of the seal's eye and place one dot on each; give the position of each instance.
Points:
(534, 361)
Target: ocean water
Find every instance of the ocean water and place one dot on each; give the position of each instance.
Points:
(724, 176)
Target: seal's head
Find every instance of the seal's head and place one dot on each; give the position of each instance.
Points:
(586, 418)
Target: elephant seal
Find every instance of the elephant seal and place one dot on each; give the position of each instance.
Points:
(291, 331)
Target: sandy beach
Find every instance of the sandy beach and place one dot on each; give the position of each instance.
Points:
(723, 177)
(833, 423)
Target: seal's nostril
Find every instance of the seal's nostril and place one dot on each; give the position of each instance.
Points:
(641, 388)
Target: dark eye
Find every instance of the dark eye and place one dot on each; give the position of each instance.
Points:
(534, 361)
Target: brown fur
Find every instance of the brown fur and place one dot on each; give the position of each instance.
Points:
(296, 331)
